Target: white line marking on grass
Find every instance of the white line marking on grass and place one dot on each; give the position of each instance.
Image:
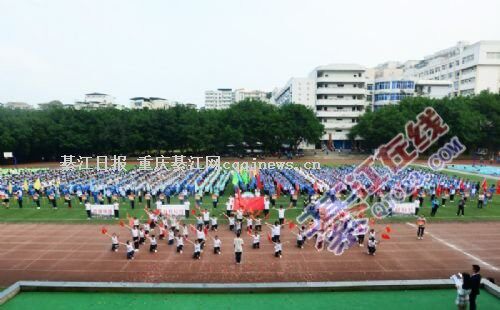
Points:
(457, 249)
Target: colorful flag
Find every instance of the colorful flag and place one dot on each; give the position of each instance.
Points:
(485, 185)
(37, 184)
(235, 180)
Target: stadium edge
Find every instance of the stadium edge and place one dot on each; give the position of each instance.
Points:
(131, 287)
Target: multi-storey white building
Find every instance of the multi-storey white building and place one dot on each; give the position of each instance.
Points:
(221, 98)
(242, 94)
(471, 68)
(152, 103)
(340, 100)
(297, 90)
(96, 101)
(156, 103)
(18, 105)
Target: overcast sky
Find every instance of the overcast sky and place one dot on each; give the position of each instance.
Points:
(178, 49)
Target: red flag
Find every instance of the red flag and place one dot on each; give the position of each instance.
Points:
(249, 232)
(315, 186)
(498, 187)
(156, 212)
(193, 212)
(278, 189)
(388, 229)
(205, 231)
(485, 185)
(259, 183)
(249, 204)
(438, 190)
(269, 237)
(461, 185)
(291, 225)
(104, 230)
(386, 236)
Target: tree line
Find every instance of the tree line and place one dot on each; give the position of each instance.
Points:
(247, 125)
(475, 120)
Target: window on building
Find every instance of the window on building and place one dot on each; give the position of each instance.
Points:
(493, 55)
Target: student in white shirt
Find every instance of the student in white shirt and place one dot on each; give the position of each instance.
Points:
(237, 227)
(372, 246)
(275, 231)
(300, 240)
(197, 249)
(146, 228)
(277, 249)
(266, 205)
(130, 250)
(87, 209)
(230, 218)
(213, 223)
(171, 236)
(229, 205)
(217, 244)
(180, 243)
(114, 243)
(199, 222)
(281, 215)
(206, 218)
(116, 208)
(238, 248)
(163, 231)
(256, 240)
(186, 208)
(142, 236)
(135, 237)
(200, 236)
(239, 215)
(249, 224)
(185, 230)
(258, 224)
(153, 244)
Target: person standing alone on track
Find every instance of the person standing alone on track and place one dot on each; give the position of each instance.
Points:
(238, 248)
(421, 227)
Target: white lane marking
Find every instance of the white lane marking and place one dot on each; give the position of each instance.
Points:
(482, 262)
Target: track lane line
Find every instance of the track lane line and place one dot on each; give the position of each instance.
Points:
(456, 248)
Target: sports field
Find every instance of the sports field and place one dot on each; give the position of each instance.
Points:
(388, 300)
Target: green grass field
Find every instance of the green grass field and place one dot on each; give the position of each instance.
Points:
(386, 300)
(77, 214)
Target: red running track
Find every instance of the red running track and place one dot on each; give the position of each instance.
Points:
(72, 252)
